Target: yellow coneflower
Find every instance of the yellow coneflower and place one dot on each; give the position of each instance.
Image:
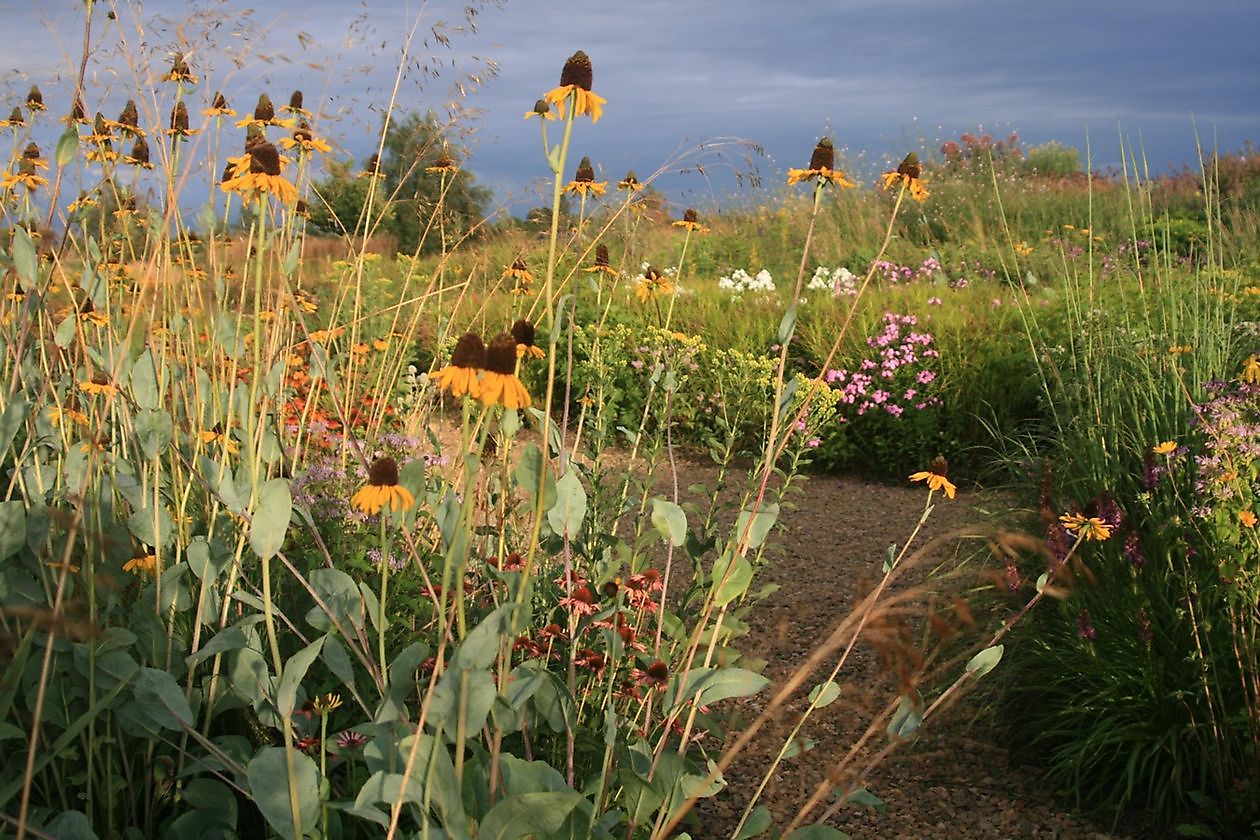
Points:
(128, 121)
(1165, 448)
(523, 332)
(215, 436)
(601, 265)
(179, 122)
(372, 169)
(499, 383)
(445, 162)
(139, 154)
(304, 140)
(1091, 527)
(219, 107)
(822, 168)
(78, 113)
(935, 476)
(144, 563)
(264, 114)
(652, 283)
(575, 84)
(380, 345)
(542, 110)
(630, 183)
(325, 336)
(518, 272)
(34, 99)
(295, 105)
(1023, 249)
(690, 222)
(16, 119)
(57, 416)
(382, 490)
(99, 386)
(305, 302)
(89, 314)
(909, 174)
(467, 361)
(180, 71)
(326, 703)
(27, 174)
(584, 182)
(84, 201)
(263, 175)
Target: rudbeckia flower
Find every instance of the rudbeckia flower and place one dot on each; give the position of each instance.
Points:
(601, 262)
(445, 162)
(179, 122)
(99, 385)
(257, 173)
(142, 564)
(542, 110)
(652, 283)
(1166, 448)
(264, 114)
(519, 273)
(691, 222)
(630, 183)
(908, 173)
(16, 119)
(139, 154)
(304, 140)
(128, 121)
(219, 107)
(523, 332)
(295, 105)
(180, 71)
(382, 490)
(575, 84)
(822, 167)
(584, 182)
(499, 384)
(34, 99)
(1089, 527)
(934, 475)
(468, 359)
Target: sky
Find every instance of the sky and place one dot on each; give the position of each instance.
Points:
(740, 87)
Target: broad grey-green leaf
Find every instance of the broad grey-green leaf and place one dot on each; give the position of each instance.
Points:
(67, 145)
(528, 815)
(788, 325)
(11, 421)
(709, 685)
(757, 524)
(906, 719)
(294, 671)
(25, 259)
(985, 661)
(147, 382)
(12, 527)
(758, 821)
(824, 694)
(565, 516)
(160, 699)
(268, 776)
(271, 518)
(670, 521)
(817, 832)
(730, 580)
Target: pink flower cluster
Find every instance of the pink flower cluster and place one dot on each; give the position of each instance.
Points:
(894, 376)
(893, 273)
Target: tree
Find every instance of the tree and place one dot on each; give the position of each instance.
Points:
(406, 196)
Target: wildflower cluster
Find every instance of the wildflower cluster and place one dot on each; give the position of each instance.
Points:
(1227, 470)
(739, 281)
(839, 281)
(892, 273)
(896, 376)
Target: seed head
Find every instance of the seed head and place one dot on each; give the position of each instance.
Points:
(689, 215)
(264, 111)
(219, 103)
(15, 117)
(910, 166)
(501, 354)
(295, 101)
(523, 332)
(140, 151)
(601, 255)
(383, 473)
(824, 156)
(35, 99)
(585, 172)
(179, 117)
(31, 152)
(542, 108)
(470, 352)
(129, 116)
(577, 71)
(264, 159)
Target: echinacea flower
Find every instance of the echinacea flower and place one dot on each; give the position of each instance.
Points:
(499, 383)
(351, 740)
(1091, 528)
(372, 169)
(382, 490)
(258, 173)
(690, 222)
(601, 262)
(908, 174)
(467, 361)
(935, 476)
(575, 84)
(542, 110)
(584, 182)
(822, 168)
(27, 174)
(654, 676)
(523, 332)
(325, 703)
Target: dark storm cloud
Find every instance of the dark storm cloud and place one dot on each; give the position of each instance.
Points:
(879, 76)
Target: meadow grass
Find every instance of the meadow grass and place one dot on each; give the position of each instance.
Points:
(305, 536)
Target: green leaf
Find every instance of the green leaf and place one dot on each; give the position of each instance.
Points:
(12, 527)
(11, 421)
(202, 561)
(986, 660)
(340, 594)
(271, 518)
(25, 259)
(467, 690)
(730, 580)
(531, 476)
(824, 694)
(905, 721)
(146, 382)
(338, 661)
(151, 527)
(481, 645)
(761, 523)
(565, 517)
(71, 825)
(67, 145)
(709, 685)
(294, 671)
(291, 259)
(65, 332)
(788, 325)
(670, 521)
(865, 798)
(155, 430)
(759, 819)
(268, 776)
(528, 815)
(160, 699)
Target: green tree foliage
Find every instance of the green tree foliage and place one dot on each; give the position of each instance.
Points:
(406, 197)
